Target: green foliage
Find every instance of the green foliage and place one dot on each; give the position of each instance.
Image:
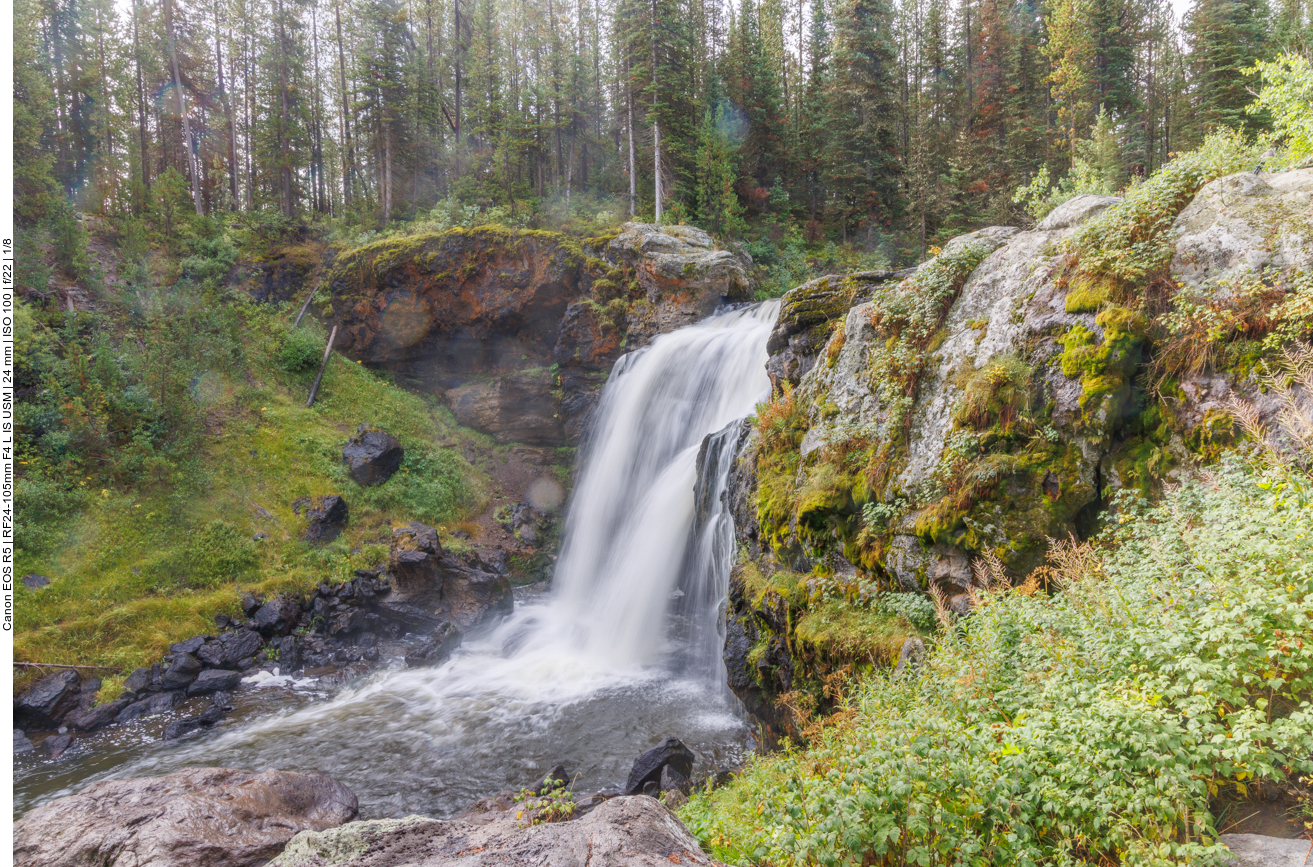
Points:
(69, 240)
(302, 348)
(1287, 96)
(1096, 170)
(1089, 726)
(1128, 243)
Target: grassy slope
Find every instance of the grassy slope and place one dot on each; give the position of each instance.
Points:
(137, 570)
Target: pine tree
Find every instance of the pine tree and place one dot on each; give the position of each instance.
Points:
(1224, 38)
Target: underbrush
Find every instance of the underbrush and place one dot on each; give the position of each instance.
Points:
(1094, 724)
(159, 459)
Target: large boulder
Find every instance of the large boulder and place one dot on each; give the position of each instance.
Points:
(635, 832)
(1244, 224)
(198, 817)
(442, 585)
(516, 408)
(45, 704)
(372, 456)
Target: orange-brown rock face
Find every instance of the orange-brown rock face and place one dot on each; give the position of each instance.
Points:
(516, 329)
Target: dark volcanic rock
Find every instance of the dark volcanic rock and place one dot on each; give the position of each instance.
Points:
(138, 681)
(56, 745)
(191, 645)
(439, 584)
(436, 648)
(48, 701)
(372, 456)
(199, 817)
(214, 680)
(648, 767)
(326, 516)
(182, 670)
(32, 581)
(230, 649)
(276, 617)
(99, 716)
(160, 703)
(621, 832)
(22, 745)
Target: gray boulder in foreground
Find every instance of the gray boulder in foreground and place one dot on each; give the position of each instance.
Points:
(635, 832)
(1256, 850)
(198, 817)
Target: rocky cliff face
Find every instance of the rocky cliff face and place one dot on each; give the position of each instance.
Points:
(497, 320)
(927, 424)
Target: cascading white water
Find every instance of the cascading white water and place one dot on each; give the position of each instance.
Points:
(624, 652)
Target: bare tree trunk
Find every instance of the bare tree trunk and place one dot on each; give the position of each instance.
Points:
(633, 168)
(348, 154)
(227, 110)
(177, 100)
(656, 123)
(141, 100)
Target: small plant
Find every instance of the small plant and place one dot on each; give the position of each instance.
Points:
(302, 350)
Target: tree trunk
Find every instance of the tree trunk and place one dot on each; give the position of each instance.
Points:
(348, 154)
(141, 100)
(177, 100)
(227, 110)
(633, 168)
(656, 123)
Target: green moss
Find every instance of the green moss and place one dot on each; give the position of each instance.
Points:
(1087, 294)
(839, 632)
(1105, 368)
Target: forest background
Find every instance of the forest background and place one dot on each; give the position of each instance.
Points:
(827, 133)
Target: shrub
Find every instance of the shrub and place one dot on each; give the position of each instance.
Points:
(301, 350)
(1090, 726)
(1287, 95)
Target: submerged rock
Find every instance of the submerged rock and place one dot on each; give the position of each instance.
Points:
(436, 648)
(199, 817)
(372, 456)
(634, 832)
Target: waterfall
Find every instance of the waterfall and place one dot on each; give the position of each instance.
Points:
(628, 528)
(624, 652)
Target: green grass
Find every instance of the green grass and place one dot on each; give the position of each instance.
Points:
(137, 566)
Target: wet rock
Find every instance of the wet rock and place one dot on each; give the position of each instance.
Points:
(199, 817)
(436, 648)
(181, 670)
(32, 581)
(438, 584)
(56, 745)
(648, 766)
(286, 652)
(326, 517)
(277, 616)
(183, 727)
(99, 716)
(590, 336)
(372, 456)
(249, 603)
(45, 704)
(230, 649)
(191, 645)
(557, 778)
(517, 408)
(22, 746)
(222, 621)
(160, 703)
(673, 781)
(214, 680)
(137, 682)
(634, 832)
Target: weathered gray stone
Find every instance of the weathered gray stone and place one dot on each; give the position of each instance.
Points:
(633, 832)
(1256, 850)
(372, 456)
(199, 817)
(442, 585)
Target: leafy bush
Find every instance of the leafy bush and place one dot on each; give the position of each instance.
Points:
(302, 349)
(1092, 725)
(1287, 95)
